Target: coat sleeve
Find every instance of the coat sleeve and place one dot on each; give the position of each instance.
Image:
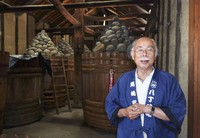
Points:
(176, 108)
(112, 104)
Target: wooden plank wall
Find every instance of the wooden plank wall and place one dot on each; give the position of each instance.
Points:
(17, 31)
(30, 29)
(9, 33)
(194, 70)
(22, 38)
(1, 32)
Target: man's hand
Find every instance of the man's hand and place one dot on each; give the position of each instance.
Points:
(131, 112)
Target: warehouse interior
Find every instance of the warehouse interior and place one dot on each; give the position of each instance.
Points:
(85, 38)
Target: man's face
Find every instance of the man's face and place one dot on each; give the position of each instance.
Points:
(144, 53)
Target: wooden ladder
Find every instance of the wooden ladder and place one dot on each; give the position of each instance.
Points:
(60, 86)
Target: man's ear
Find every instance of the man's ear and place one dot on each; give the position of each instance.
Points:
(132, 55)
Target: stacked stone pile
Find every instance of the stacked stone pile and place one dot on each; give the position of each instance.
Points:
(65, 48)
(43, 44)
(115, 38)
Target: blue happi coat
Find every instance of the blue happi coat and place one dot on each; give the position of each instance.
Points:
(164, 92)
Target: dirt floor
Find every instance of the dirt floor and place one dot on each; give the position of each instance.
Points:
(65, 125)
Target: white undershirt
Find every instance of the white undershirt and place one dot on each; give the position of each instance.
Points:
(142, 89)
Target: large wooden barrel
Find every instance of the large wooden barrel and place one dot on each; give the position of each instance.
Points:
(99, 71)
(24, 102)
(4, 62)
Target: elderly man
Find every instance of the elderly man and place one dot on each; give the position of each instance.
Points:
(146, 102)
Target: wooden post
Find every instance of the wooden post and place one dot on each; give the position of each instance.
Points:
(78, 50)
(78, 46)
(194, 74)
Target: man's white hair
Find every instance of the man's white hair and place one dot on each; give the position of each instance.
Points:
(135, 42)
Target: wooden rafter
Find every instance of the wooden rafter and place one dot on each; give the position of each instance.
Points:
(89, 31)
(92, 11)
(135, 12)
(121, 17)
(65, 13)
(94, 4)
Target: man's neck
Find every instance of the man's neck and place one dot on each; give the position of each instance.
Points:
(143, 73)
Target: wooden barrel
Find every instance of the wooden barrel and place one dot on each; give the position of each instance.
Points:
(4, 62)
(100, 71)
(24, 102)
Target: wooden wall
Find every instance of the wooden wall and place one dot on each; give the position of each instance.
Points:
(1, 31)
(194, 70)
(30, 29)
(22, 33)
(17, 30)
(9, 33)
(173, 43)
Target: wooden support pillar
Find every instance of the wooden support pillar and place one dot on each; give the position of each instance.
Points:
(78, 50)
(78, 23)
(194, 70)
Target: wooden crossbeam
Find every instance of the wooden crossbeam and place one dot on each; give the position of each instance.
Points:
(94, 4)
(65, 13)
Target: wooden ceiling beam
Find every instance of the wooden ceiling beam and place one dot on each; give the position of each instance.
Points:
(93, 4)
(57, 21)
(65, 13)
(89, 30)
(69, 31)
(42, 19)
(119, 12)
(29, 2)
(102, 26)
(4, 4)
(92, 11)
(121, 17)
